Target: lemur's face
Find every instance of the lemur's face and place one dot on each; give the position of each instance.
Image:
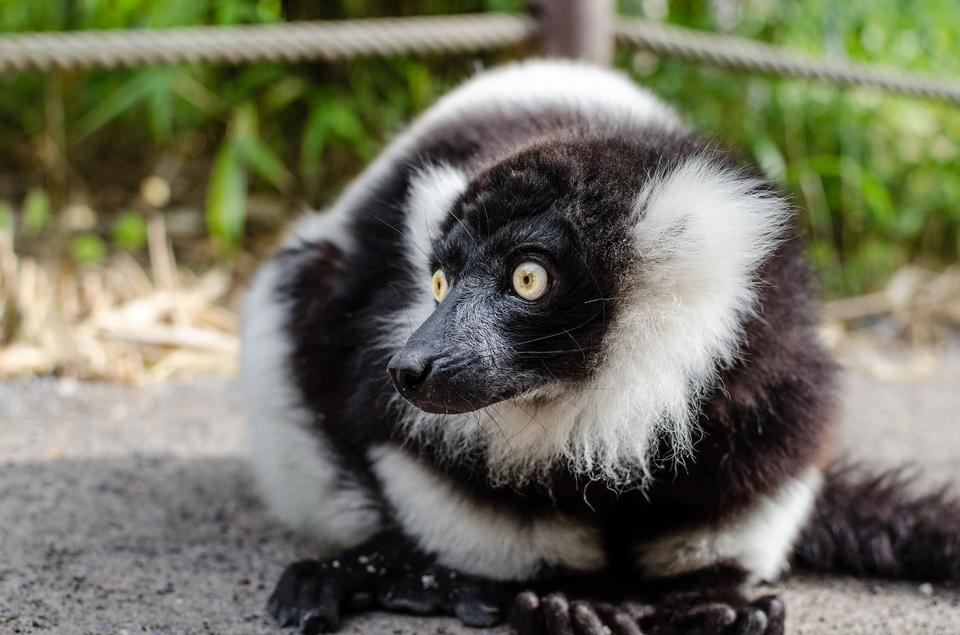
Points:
(522, 296)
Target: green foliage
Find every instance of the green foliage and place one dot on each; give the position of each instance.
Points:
(129, 231)
(226, 197)
(87, 248)
(36, 210)
(874, 175)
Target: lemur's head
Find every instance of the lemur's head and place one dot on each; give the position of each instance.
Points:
(607, 278)
(524, 269)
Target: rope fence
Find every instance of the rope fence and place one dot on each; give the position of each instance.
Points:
(287, 42)
(735, 53)
(344, 39)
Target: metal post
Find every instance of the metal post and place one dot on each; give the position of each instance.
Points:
(578, 29)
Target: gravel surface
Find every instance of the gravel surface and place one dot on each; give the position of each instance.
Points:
(131, 510)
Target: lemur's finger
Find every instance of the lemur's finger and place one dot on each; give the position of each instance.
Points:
(408, 596)
(585, 619)
(556, 615)
(476, 612)
(617, 619)
(753, 621)
(711, 618)
(525, 615)
(285, 601)
(642, 614)
(775, 611)
(319, 607)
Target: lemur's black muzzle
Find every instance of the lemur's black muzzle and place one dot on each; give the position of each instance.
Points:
(435, 371)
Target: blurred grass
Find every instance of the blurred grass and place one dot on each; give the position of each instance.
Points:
(242, 149)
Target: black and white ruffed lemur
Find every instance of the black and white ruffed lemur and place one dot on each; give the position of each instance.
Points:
(553, 359)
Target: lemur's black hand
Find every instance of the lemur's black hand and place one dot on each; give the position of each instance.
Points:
(383, 574)
(718, 612)
(704, 613)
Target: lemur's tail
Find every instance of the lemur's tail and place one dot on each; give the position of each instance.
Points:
(877, 525)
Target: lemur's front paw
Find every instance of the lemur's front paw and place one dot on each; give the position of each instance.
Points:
(310, 595)
(717, 613)
(676, 614)
(553, 614)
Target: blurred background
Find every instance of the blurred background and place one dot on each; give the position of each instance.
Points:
(135, 204)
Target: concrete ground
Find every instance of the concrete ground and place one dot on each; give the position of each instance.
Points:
(132, 510)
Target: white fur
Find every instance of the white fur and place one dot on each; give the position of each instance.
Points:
(329, 225)
(432, 193)
(295, 470)
(529, 87)
(701, 232)
(759, 540)
(475, 537)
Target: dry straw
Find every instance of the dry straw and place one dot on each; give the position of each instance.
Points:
(114, 322)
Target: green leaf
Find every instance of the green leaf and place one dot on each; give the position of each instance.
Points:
(315, 134)
(343, 122)
(161, 110)
(36, 210)
(246, 122)
(87, 248)
(129, 231)
(138, 89)
(226, 198)
(284, 93)
(771, 160)
(256, 155)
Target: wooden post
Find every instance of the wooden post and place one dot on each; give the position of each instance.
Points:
(578, 29)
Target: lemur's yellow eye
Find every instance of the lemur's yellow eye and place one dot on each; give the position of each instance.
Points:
(530, 280)
(439, 285)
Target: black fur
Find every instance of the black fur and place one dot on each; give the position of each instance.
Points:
(877, 524)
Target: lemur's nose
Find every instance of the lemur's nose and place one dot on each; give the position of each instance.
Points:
(408, 369)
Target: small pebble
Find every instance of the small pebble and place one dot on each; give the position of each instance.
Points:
(926, 590)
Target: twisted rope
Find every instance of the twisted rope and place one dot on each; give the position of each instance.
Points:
(741, 54)
(342, 39)
(290, 42)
